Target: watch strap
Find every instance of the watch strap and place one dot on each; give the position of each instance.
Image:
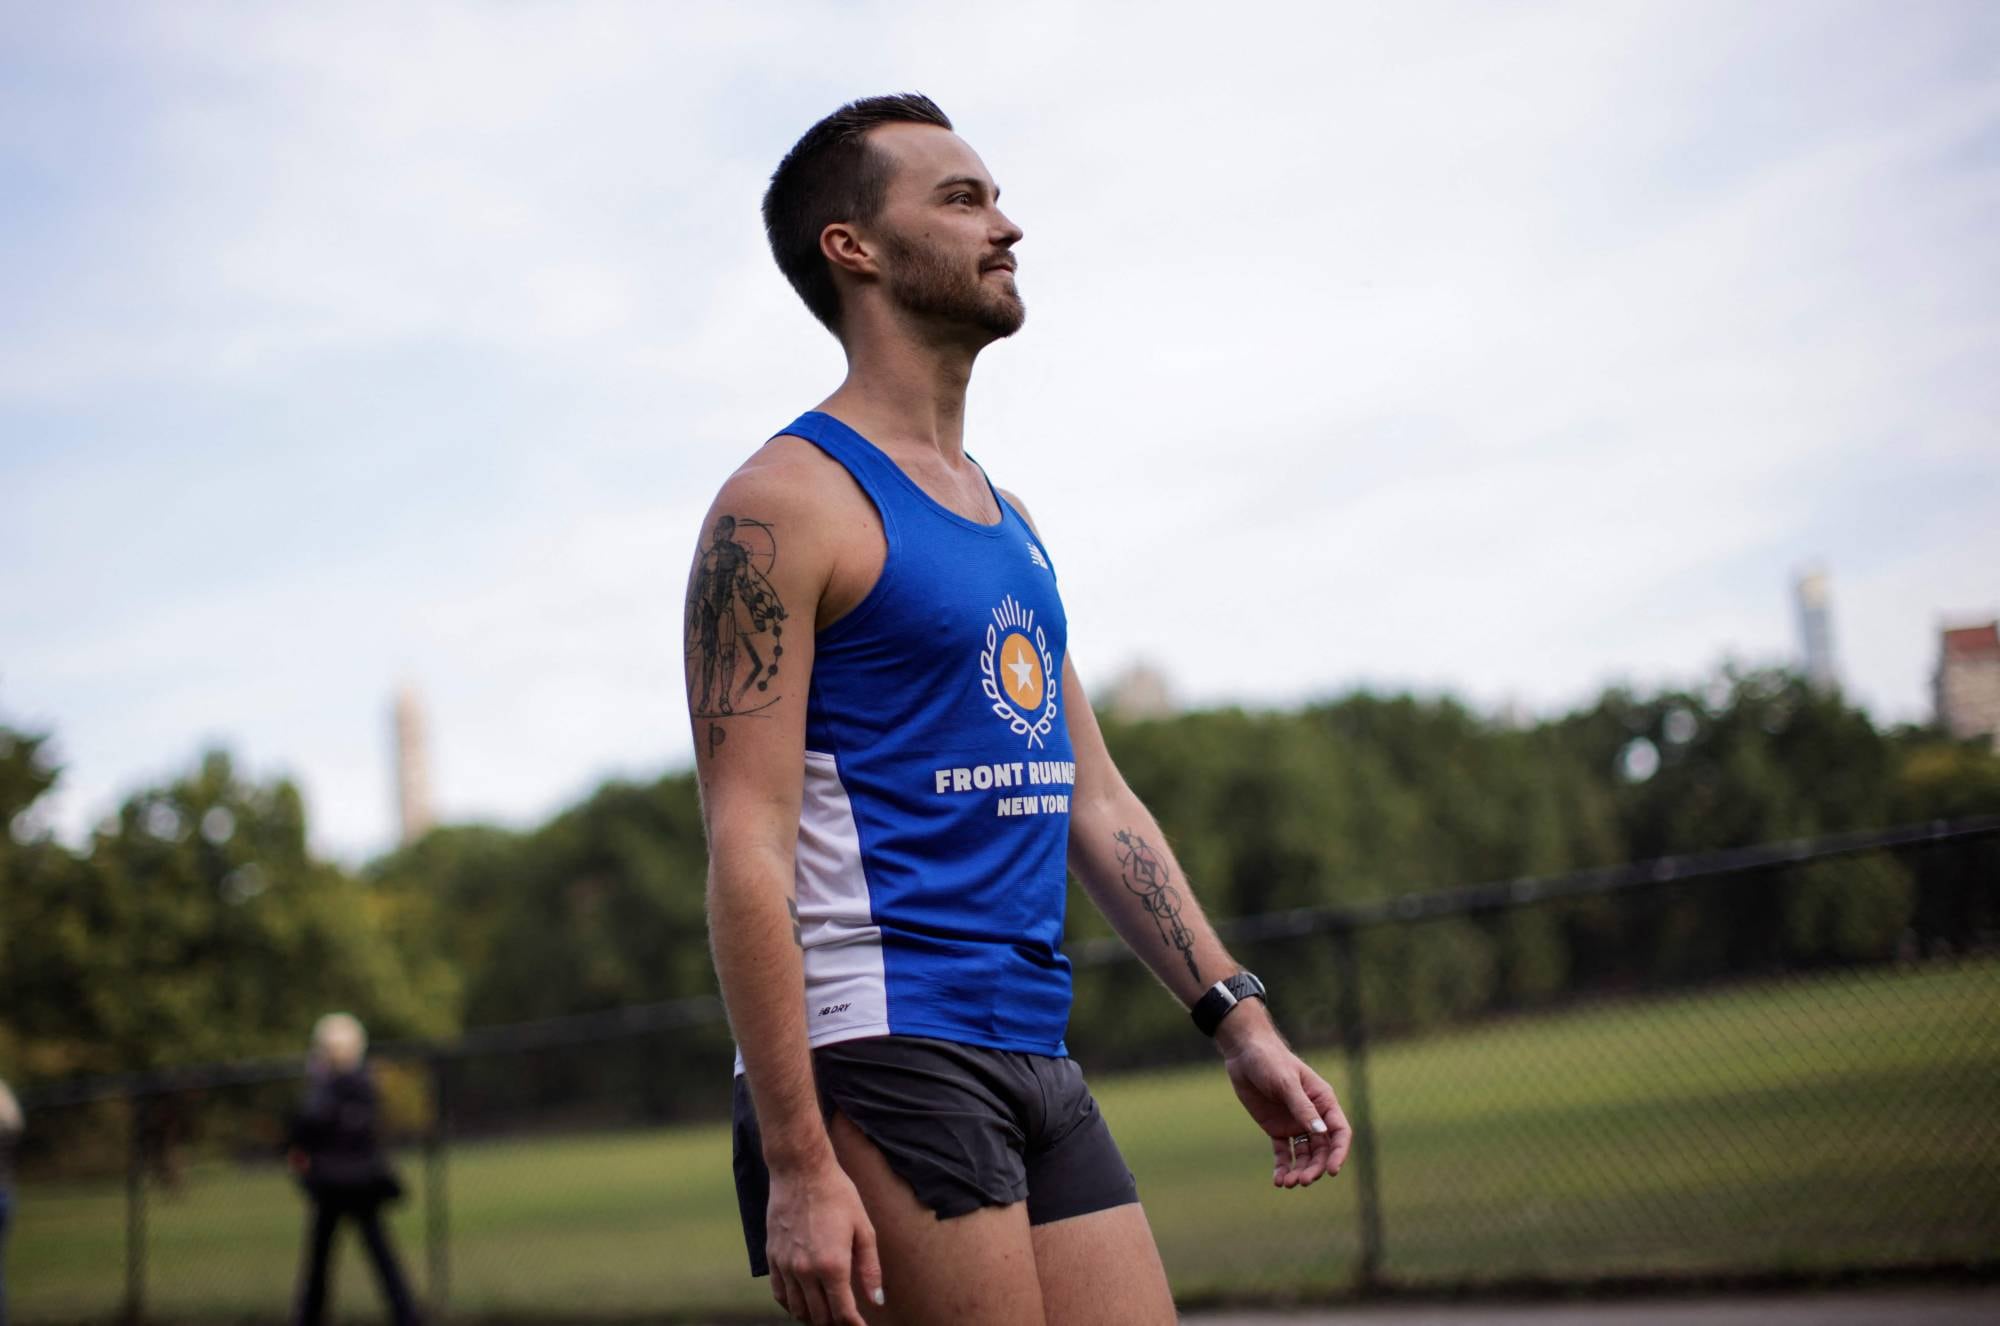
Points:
(1220, 999)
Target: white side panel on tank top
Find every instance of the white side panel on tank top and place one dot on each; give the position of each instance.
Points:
(846, 995)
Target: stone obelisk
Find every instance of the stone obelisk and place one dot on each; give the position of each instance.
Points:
(413, 783)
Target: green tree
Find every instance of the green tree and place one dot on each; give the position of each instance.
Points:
(32, 865)
(196, 927)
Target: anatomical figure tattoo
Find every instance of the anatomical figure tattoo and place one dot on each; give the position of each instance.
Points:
(1146, 875)
(735, 623)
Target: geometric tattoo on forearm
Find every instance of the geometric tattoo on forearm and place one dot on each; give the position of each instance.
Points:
(1146, 875)
(735, 623)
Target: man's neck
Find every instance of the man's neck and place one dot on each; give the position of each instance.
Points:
(901, 392)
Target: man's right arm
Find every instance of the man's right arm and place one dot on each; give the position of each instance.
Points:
(759, 572)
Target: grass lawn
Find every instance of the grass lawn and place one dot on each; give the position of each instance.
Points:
(1843, 1120)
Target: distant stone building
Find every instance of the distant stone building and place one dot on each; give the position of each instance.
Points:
(1968, 682)
(1816, 630)
(413, 782)
(1138, 693)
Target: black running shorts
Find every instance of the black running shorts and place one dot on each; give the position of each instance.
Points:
(965, 1127)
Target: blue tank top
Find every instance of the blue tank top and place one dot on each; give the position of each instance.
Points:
(934, 829)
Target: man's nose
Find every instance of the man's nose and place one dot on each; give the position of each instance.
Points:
(1009, 234)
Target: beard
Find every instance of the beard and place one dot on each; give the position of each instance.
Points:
(931, 284)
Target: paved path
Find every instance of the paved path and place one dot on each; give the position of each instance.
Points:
(1903, 1307)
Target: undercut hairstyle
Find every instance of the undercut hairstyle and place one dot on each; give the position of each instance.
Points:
(832, 174)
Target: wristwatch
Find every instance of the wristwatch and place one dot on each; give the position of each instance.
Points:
(1216, 1002)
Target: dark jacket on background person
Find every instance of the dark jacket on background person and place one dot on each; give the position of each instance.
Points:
(10, 1136)
(339, 1160)
(335, 1129)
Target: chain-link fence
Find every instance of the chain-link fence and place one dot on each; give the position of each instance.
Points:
(1776, 1062)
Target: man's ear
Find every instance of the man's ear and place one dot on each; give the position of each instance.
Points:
(848, 249)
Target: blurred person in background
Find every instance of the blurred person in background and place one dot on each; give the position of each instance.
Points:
(10, 1135)
(338, 1159)
(898, 769)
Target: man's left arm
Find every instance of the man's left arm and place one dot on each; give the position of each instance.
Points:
(1118, 852)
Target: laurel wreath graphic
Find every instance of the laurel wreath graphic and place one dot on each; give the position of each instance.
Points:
(1037, 732)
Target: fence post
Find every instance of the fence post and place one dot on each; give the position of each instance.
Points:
(437, 1228)
(135, 1213)
(1354, 1038)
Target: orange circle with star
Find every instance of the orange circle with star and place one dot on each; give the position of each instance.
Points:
(1020, 671)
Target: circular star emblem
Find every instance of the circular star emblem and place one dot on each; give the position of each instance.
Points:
(1017, 673)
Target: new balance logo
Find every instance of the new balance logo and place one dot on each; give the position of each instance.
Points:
(1035, 556)
(831, 1009)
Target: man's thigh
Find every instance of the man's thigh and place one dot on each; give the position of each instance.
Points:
(977, 1269)
(1102, 1269)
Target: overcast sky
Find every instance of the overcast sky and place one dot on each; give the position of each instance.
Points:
(1504, 349)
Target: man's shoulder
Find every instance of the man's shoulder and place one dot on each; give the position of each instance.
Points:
(791, 484)
(788, 472)
(1013, 499)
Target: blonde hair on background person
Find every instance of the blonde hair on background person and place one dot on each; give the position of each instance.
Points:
(339, 1041)
(10, 1111)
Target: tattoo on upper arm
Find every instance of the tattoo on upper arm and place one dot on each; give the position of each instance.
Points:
(735, 623)
(1146, 875)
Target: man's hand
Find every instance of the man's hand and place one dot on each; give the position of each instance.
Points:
(1286, 1098)
(820, 1244)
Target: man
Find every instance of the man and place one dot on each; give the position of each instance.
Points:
(892, 798)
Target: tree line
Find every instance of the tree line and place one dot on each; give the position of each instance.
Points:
(196, 924)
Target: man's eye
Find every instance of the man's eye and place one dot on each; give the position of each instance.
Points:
(961, 198)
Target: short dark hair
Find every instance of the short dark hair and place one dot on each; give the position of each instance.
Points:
(832, 174)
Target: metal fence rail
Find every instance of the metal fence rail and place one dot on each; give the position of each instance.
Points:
(1775, 1061)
